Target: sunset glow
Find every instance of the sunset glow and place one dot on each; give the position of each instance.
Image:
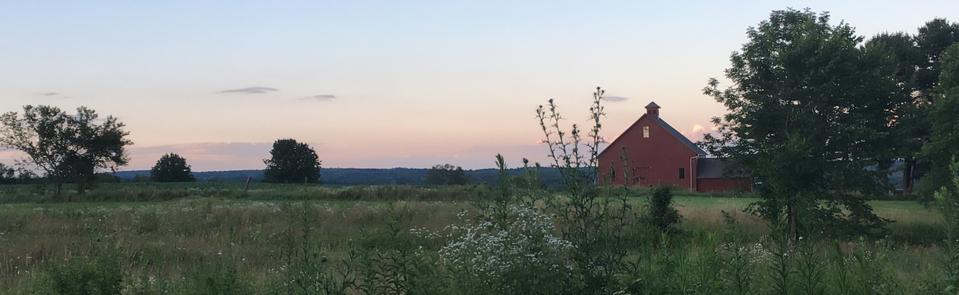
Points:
(380, 84)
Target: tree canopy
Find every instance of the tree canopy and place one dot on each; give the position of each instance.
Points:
(808, 115)
(292, 162)
(171, 168)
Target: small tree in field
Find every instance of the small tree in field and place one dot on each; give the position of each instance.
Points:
(171, 168)
(292, 162)
(66, 146)
(446, 174)
(661, 211)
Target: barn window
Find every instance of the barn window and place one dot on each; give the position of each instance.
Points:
(682, 173)
(645, 131)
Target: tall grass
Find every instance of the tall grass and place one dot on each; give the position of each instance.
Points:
(317, 246)
(154, 192)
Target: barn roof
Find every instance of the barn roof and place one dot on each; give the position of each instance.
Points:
(718, 168)
(680, 137)
(672, 131)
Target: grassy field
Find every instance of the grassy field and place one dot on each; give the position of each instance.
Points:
(163, 236)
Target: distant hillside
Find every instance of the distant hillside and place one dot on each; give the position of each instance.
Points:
(361, 176)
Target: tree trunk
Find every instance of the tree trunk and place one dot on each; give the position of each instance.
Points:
(81, 186)
(792, 213)
(908, 173)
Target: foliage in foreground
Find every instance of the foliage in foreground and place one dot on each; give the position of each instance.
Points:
(477, 255)
(947, 199)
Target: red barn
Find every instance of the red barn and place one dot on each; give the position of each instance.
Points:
(657, 154)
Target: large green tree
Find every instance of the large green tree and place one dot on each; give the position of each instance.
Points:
(66, 146)
(943, 145)
(292, 162)
(171, 168)
(917, 60)
(808, 115)
(910, 126)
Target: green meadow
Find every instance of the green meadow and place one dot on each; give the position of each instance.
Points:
(228, 238)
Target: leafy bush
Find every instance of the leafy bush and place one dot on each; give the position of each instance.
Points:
(661, 211)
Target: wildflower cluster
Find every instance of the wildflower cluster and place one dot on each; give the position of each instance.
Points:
(521, 248)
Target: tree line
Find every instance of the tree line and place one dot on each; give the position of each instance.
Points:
(74, 148)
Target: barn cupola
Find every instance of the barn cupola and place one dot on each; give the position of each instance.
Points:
(652, 109)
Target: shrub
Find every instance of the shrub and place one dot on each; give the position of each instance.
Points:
(661, 211)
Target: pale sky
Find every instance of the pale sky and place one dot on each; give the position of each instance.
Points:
(382, 84)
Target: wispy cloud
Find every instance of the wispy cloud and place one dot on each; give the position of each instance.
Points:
(52, 94)
(615, 98)
(251, 90)
(319, 97)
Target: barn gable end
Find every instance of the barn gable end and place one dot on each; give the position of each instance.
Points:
(657, 154)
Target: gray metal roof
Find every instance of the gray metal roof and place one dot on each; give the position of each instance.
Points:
(652, 104)
(718, 168)
(679, 136)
